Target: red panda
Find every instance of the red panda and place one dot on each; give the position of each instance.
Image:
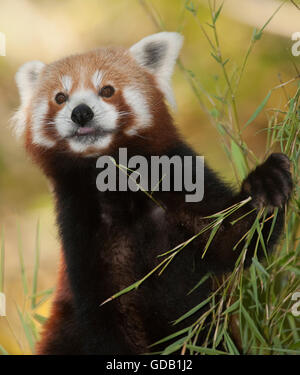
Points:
(81, 107)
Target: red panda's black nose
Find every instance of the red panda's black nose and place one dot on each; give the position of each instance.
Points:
(82, 114)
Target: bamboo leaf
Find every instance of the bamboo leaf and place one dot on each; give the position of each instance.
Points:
(203, 350)
(27, 330)
(40, 319)
(36, 266)
(230, 344)
(216, 16)
(170, 337)
(192, 311)
(238, 157)
(21, 259)
(259, 109)
(3, 351)
(252, 324)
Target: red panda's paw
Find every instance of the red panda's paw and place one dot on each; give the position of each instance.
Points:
(270, 184)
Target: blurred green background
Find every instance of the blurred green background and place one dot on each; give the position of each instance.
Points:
(50, 29)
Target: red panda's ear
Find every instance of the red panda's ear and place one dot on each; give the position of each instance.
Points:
(26, 79)
(158, 53)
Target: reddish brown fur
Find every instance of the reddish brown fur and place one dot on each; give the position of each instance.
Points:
(62, 310)
(121, 69)
(112, 240)
(122, 73)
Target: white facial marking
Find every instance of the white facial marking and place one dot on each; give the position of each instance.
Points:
(105, 119)
(97, 78)
(100, 144)
(108, 116)
(38, 123)
(67, 83)
(138, 104)
(103, 142)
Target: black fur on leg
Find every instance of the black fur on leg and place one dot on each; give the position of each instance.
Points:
(111, 240)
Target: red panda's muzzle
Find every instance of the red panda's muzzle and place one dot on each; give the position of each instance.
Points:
(82, 114)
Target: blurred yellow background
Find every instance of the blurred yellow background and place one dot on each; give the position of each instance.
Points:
(48, 30)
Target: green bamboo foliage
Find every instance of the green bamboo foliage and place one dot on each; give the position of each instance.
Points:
(257, 301)
(249, 312)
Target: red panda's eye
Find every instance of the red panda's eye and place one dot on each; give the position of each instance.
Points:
(60, 98)
(107, 91)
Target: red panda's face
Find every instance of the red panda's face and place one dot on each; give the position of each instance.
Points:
(87, 104)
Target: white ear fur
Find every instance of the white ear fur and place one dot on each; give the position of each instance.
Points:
(158, 54)
(26, 79)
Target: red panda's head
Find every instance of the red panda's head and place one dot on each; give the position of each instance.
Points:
(93, 103)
